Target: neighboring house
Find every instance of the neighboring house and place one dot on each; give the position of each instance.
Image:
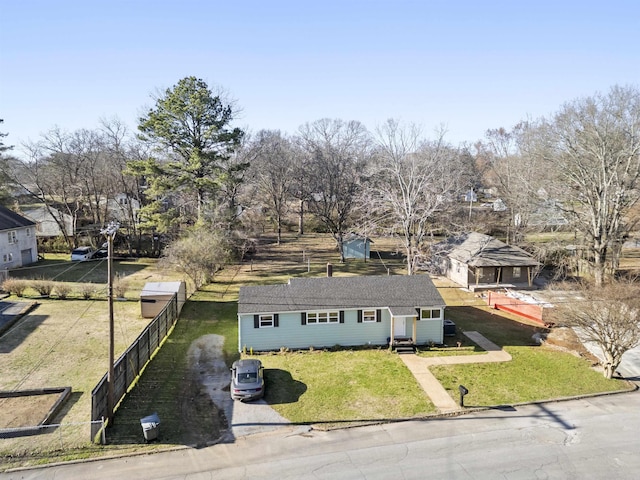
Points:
(478, 261)
(470, 196)
(548, 215)
(357, 247)
(122, 206)
(344, 311)
(18, 246)
(48, 221)
(499, 205)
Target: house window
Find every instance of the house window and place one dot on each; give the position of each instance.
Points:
(516, 272)
(28, 232)
(266, 321)
(430, 313)
(369, 316)
(323, 317)
(7, 257)
(12, 237)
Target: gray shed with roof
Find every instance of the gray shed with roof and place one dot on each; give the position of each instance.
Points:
(345, 311)
(480, 261)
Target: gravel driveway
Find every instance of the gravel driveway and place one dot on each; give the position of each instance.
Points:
(207, 359)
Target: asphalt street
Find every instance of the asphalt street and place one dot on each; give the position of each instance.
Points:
(591, 438)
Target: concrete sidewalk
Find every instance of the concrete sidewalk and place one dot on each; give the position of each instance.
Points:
(419, 367)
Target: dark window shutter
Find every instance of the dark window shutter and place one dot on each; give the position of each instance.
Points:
(341, 316)
(359, 316)
(256, 321)
(378, 315)
(276, 318)
(303, 318)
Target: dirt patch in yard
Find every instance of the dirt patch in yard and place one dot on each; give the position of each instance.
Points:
(563, 338)
(27, 411)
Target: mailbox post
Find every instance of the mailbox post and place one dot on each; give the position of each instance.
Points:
(463, 392)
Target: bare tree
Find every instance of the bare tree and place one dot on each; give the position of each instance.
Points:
(414, 178)
(272, 170)
(609, 316)
(594, 146)
(339, 152)
(301, 186)
(119, 150)
(4, 168)
(517, 176)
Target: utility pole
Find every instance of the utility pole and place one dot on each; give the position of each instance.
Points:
(110, 232)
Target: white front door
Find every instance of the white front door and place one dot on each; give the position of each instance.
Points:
(399, 327)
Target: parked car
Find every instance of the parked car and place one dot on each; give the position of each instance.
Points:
(247, 380)
(102, 253)
(81, 254)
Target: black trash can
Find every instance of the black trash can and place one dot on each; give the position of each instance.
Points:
(150, 427)
(449, 328)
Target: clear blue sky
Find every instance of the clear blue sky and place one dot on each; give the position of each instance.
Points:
(470, 65)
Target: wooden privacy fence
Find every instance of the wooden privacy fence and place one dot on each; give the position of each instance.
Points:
(131, 363)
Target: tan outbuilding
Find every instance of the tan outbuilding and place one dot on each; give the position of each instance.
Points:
(155, 295)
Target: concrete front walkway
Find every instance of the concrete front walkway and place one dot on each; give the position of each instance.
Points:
(419, 367)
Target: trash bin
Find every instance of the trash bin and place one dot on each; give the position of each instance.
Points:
(150, 427)
(449, 328)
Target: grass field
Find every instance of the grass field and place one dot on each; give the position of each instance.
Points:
(63, 342)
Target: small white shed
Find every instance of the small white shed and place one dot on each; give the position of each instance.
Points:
(155, 295)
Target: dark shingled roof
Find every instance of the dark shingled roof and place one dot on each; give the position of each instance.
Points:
(10, 220)
(402, 294)
(479, 250)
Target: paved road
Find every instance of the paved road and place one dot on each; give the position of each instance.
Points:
(595, 438)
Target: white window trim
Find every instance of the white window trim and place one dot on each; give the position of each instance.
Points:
(333, 317)
(372, 318)
(13, 237)
(519, 270)
(266, 321)
(431, 311)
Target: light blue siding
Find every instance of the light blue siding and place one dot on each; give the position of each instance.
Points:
(292, 334)
(428, 331)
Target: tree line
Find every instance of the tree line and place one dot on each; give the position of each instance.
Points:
(191, 171)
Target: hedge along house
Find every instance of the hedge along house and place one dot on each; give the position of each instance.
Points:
(340, 311)
(477, 261)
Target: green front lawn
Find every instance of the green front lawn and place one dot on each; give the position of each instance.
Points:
(342, 387)
(534, 374)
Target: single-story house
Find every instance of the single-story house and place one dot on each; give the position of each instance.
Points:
(344, 311)
(18, 245)
(478, 261)
(50, 221)
(155, 296)
(357, 247)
